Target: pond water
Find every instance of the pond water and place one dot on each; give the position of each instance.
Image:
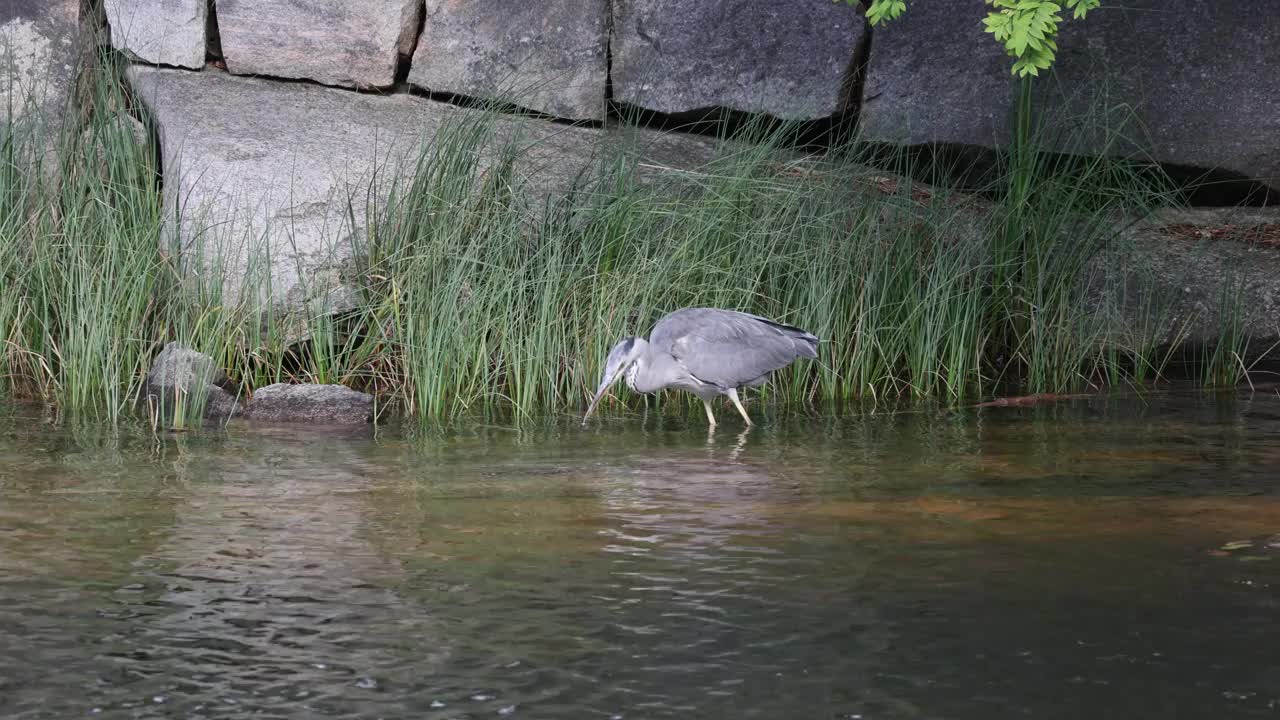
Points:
(1050, 562)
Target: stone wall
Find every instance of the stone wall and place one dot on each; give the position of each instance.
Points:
(1187, 75)
(270, 112)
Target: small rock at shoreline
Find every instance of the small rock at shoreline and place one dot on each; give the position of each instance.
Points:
(181, 367)
(313, 404)
(180, 372)
(221, 405)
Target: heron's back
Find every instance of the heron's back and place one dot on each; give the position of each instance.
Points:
(729, 348)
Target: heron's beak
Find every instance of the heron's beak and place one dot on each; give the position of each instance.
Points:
(608, 380)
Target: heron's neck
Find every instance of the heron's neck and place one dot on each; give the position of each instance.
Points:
(649, 373)
(640, 373)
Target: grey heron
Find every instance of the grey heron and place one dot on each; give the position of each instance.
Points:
(707, 352)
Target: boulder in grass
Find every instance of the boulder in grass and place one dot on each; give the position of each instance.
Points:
(221, 405)
(264, 196)
(179, 372)
(310, 404)
(179, 367)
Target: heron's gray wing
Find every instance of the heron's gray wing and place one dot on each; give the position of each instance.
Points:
(727, 348)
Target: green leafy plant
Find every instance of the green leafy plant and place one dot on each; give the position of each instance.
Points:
(880, 11)
(1028, 29)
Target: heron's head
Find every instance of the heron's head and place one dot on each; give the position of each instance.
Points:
(622, 356)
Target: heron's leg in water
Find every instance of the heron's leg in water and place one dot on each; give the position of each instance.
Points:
(733, 395)
(711, 417)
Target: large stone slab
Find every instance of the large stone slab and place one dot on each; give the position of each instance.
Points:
(165, 32)
(1194, 73)
(38, 58)
(787, 59)
(1188, 274)
(336, 42)
(274, 179)
(548, 56)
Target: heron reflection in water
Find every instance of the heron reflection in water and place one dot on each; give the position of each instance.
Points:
(707, 352)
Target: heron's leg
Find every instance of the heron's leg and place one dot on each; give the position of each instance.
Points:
(711, 417)
(733, 395)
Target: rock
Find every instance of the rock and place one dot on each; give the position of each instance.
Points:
(336, 42)
(1169, 276)
(787, 59)
(178, 366)
(39, 55)
(179, 372)
(934, 76)
(221, 404)
(546, 56)
(911, 95)
(297, 180)
(165, 32)
(312, 404)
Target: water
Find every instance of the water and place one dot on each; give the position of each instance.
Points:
(1053, 562)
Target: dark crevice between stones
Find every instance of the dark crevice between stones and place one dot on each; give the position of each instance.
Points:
(1220, 188)
(980, 170)
(95, 35)
(608, 59)
(507, 109)
(404, 60)
(719, 122)
(139, 111)
(213, 37)
(100, 62)
(113, 65)
(360, 89)
(462, 101)
(126, 59)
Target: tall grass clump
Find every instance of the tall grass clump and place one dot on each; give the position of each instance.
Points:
(92, 283)
(1056, 216)
(79, 259)
(490, 297)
